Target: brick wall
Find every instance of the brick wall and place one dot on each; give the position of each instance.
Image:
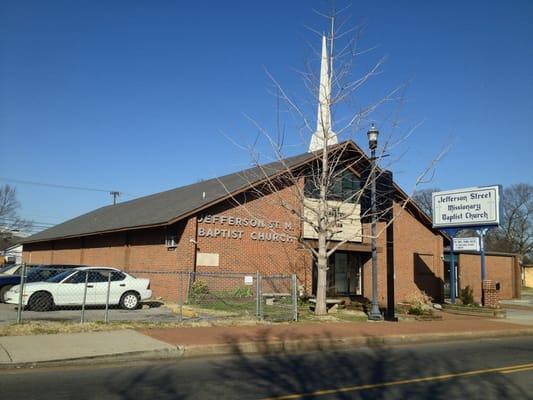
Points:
(491, 294)
(37, 253)
(417, 256)
(499, 269)
(417, 259)
(264, 247)
(255, 248)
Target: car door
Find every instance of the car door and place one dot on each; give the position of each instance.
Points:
(118, 287)
(70, 291)
(98, 280)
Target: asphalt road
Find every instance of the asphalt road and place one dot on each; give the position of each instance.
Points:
(482, 369)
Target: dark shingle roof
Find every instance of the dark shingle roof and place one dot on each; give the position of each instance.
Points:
(9, 240)
(162, 208)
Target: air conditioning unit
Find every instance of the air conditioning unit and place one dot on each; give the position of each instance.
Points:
(170, 241)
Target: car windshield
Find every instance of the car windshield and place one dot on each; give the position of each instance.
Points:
(59, 277)
(5, 269)
(9, 268)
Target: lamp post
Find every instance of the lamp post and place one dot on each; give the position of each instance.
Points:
(375, 314)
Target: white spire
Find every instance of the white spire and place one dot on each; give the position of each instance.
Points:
(324, 133)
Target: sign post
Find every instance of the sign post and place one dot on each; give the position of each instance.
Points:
(453, 279)
(476, 208)
(482, 232)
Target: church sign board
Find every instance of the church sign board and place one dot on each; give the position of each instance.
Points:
(460, 208)
(466, 244)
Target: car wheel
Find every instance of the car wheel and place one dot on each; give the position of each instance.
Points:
(130, 301)
(3, 291)
(40, 301)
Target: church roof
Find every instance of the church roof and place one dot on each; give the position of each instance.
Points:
(166, 207)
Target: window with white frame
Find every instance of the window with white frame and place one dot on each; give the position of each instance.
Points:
(171, 241)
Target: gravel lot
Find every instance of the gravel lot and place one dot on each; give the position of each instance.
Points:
(153, 312)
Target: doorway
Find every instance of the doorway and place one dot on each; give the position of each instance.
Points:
(344, 276)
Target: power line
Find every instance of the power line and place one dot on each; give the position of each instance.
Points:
(54, 185)
(15, 220)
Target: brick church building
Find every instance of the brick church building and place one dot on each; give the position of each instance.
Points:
(238, 223)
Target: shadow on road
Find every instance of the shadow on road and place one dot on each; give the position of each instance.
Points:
(277, 373)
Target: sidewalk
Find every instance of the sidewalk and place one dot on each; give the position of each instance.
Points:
(263, 339)
(206, 341)
(35, 349)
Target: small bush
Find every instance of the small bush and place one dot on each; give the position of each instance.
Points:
(415, 310)
(467, 296)
(419, 304)
(199, 291)
(242, 292)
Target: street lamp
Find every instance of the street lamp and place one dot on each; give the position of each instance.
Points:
(375, 314)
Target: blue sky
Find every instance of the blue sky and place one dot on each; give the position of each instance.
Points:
(143, 96)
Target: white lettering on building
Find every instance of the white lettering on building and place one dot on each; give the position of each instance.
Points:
(263, 230)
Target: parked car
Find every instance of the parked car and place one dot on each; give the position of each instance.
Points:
(11, 269)
(35, 273)
(68, 289)
(15, 269)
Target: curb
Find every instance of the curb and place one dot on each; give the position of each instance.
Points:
(294, 346)
(106, 359)
(265, 348)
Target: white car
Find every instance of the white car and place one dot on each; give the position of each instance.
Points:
(68, 289)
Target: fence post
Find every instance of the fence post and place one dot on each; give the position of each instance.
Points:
(189, 285)
(180, 315)
(259, 295)
(106, 320)
(82, 319)
(294, 290)
(21, 291)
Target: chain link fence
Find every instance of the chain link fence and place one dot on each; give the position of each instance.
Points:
(58, 293)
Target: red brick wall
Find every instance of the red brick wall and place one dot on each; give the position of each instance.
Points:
(244, 254)
(417, 257)
(103, 250)
(67, 252)
(145, 249)
(37, 253)
(499, 269)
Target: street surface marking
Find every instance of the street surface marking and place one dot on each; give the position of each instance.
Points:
(521, 369)
(503, 370)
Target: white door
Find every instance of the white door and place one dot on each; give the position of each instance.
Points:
(98, 282)
(107, 280)
(70, 291)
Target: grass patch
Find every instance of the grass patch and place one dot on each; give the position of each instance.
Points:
(233, 306)
(281, 310)
(52, 327)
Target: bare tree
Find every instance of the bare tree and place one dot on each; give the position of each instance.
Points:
(424, 201)
(327, 191)
(515, 234)
(10, 222)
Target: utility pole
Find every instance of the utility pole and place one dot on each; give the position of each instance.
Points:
(115, 195)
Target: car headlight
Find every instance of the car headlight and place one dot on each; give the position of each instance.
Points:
(14, 290)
